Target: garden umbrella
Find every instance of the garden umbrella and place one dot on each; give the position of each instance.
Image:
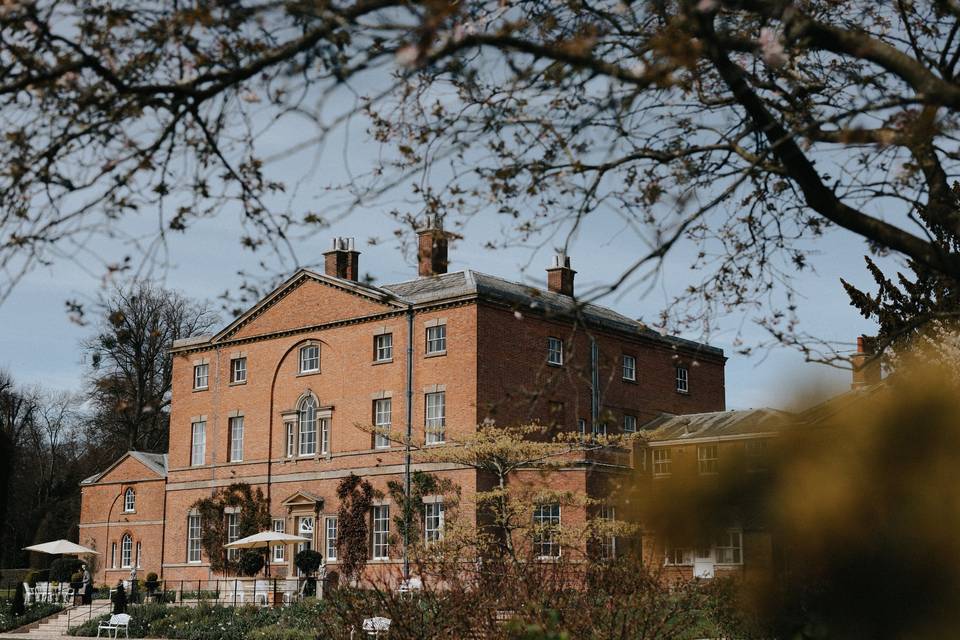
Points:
(61, 547)
(265, 539)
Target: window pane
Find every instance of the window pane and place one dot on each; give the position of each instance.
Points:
(382, 421)
(437, 338)
(238, 370)
(308, 427)
(682, 379)
(661, 461)
(291, 438)
(193, 538)
(331, 538)
(279, 551)
(198, 447)
(436, 421)
(554, 351)
(433, 522)
(324, 435)
(708, 458)
(201, 376)
(126, 552)
(129, 500)
(546, 521)
(629, 368)
(309, 358)
(236, 439)
(629, 424)
(383, 347)
(381, 532)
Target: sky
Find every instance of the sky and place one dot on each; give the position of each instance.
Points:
(40, 345)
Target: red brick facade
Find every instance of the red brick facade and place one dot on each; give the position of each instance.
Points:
(493, 367)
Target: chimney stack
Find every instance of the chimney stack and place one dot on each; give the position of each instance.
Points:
(866, 368)
(342, 261)
(560, 275)
(432, 249)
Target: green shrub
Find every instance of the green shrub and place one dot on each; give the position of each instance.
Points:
(62, 568)
(33, 577)
(19, 602)
(308, 561)
(251, 562)
(119, 599)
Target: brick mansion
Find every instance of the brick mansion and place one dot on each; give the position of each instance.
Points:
(276, 399)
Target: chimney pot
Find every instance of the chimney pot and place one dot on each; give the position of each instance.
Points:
(560, 275)
(866, 366)
(432, 242)
(342, 261)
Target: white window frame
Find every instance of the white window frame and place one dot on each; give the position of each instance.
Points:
(435, 417)
(683, 380)
(662, 461)
(201, 376)
(678, 557)
(113, 555)
(129, 500)
(436, 339)
(433, 521)
(599, 429)
(290, 427)
(307, 427)
(546, 522)
(608, 544)
(331, 526)
(139, 554)
(708, 459)
(310, 358)
(554, 351)
(629, 423)
(383, 347)
(382, 422)
(238, 370)
(380, 515)
(730, 553)
(233, 533)
(198, 443)
(279, 525)
(629, 368)
(126, 551)
(194, 550)
(235, 425)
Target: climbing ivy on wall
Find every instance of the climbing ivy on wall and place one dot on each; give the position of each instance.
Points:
(356, 498)
(253, 517)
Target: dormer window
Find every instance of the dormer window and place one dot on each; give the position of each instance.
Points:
(310, 358)
(129, 500)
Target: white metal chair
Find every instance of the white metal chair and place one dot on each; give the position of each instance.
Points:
(376, 626)
(233, 595)
(42, 592)
(116, 622)
(29, 593)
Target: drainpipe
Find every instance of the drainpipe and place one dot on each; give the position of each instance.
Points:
(408, 440)
(594, 384)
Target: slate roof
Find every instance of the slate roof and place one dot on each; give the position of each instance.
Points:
(156, 462)
(521, 297)
(716, 424)
(469, 284)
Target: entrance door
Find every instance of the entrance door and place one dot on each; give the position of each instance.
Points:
(305, 529)
(703, 564)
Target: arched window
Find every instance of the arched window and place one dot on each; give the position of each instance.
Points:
(126, 551)
(308, 426)
(129, 500)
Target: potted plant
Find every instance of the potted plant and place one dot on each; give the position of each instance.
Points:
(152, 582)
(308, 561)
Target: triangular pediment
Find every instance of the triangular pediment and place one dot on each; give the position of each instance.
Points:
(129, 467)
(309, 299)
(301, 498)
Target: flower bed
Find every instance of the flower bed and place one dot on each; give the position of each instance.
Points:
(34, 612)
